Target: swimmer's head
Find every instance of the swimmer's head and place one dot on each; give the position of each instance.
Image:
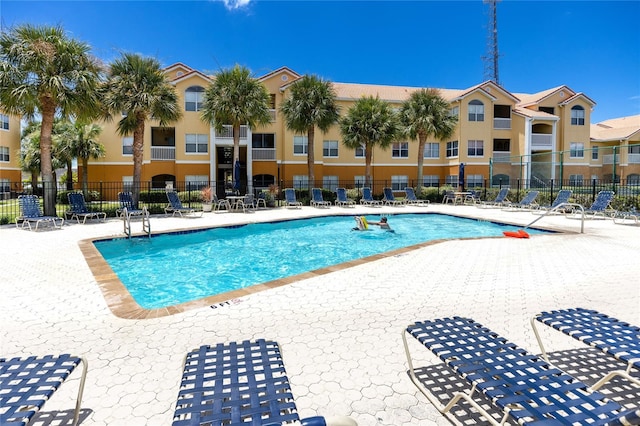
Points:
(383, 220)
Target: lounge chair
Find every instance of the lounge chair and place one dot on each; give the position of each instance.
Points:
(389, 199)
(290, 199)
(175, 207)
(561, 200)
(31, 213)
(524, 387)
(218, 204)
(527, 203)
(612, 336)
(449, 197)
(26, 384)
(473, 197)
(631, 217)
(410, 198)
(317, 200)
(368, 200)
(601, 207)
(239, 383)
(128, 207)
(500, 201)
(342, 200)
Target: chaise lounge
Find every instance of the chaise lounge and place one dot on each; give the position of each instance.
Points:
(78, 209)
(31, 213)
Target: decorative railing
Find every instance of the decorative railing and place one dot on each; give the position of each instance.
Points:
(227, 132)
(501, 157)
(501, 123)
(541, 140)
(263, 153)
(163, 152)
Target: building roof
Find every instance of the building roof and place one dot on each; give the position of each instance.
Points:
(616, 129)
(530, 113)
(527, 99)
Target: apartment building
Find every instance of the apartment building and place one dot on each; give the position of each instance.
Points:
(10, 174)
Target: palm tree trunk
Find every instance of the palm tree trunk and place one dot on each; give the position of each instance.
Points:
(422, 138)
(138, 152)
(368, 159)
(236, 143)
(311, 157)
(46, 167)
(69, 175)
(85, 178)
(34, 181)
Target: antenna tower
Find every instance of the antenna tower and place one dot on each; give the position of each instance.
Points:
(491, 58)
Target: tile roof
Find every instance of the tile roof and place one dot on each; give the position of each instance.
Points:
(616, 129)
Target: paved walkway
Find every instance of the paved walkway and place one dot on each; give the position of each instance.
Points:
(340, 332)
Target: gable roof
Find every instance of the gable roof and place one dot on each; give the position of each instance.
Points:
(616, 129)
(528, 99)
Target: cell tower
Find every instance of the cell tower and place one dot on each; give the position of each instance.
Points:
(491, 58)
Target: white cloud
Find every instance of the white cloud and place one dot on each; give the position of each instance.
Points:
(235, 4)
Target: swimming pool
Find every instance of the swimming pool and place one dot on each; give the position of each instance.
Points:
(170, 269)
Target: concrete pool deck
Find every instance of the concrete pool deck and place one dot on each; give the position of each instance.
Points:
(339, 331)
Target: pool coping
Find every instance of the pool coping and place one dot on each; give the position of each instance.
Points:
(123, 305)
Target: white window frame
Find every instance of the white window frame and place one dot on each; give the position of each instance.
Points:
(454, 112)
(127, 141)
(4, 122)
(196, 180)
(577, 116)
(5, 154)
(451, 180)
(400, 150)
(475, 148)
(194, 97)
(199, 141)
(576, 180)
(330, 182)
(476, 110)
(594, 153)
(127, 183)
(431, 150)
(330, 149)
(302, 143)
(359, 152)
(431, 181)
(399, 182)
(576, 150)
(300, 181)
(5, 185)
(359, 181)
(474, 181)
(452, 149)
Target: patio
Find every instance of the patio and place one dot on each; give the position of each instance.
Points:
(339, 330)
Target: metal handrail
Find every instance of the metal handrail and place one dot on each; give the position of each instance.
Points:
(562, 205)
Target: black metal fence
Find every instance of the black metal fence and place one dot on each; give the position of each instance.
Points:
(103, 196)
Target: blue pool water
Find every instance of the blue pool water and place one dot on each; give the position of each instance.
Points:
(168, 269)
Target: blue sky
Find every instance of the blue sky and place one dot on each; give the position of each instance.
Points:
(591, 46)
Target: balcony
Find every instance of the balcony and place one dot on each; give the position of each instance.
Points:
(264, 154)
(631, 158)
(227, 132)
(502, 123)
(272, 114)
(163, 153)
(541, 141)
(501, 156)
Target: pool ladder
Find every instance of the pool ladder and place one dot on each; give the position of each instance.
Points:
(146, 224)
(559, 207)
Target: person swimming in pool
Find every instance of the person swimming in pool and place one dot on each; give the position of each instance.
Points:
(383, 224)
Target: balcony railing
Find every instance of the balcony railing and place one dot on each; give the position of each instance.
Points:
(272, 114)
(541, 140)
(631, 158)
(227, 132)
(502, 123)
(163, 152)
(263, 153)
(501, 157)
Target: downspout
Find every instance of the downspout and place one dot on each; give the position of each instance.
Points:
(527, 147)
(212, 157)
(249, 161)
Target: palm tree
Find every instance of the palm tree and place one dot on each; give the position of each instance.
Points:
(312, 103)
(30, 152)
(43, 71)
(426, 114)
(370, 122)
(85, 145)
(62, 147)
(138, 88)
(235, 98)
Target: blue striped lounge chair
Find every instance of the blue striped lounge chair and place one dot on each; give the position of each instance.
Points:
(389, 199)
(31, 214)
(78, 209)
(558, 205)
(367, 198)
(527, 203)
(128, 207)
(612, 336)
(342, 200)
(239, 383)
(500, 200)
(317, 200)
(27, 383)
(175, 207)
(524, 388)
(410, 198)
(290, 199)
(601, 207)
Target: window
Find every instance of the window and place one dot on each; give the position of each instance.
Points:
(359, 181)
(576, 150)
(193, 98)
(476, 110)
(4, 153)
(360, 151)
(431, 180)
(272, 101)
(127, 183)
(330, 182)
(452, 149)
(5, 185)
(475, 148)
(300, 145)
(432, 150)
(634, 149)
(263, 140)
(502, 145)
(575, 180)
(577, 116)
(4, 122)
(399, 183)
(300, 181)
(196, 143)
(548, 110)
(330, 148)
(454, 112)
(474, 181)
(197, 181)
(127, 145)
(594, 153)
(451, 180)
(400, 150)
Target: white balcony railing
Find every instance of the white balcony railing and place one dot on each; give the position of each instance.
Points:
(227, 132)
(502, 123)
(263, 153)
(501, 157)
(163, 152)
(631, 158)
(634, 158)
(541, 140)
(272, 114)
